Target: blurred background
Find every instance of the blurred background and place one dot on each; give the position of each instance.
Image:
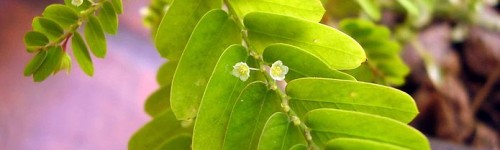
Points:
(459, 105)
(74, 111)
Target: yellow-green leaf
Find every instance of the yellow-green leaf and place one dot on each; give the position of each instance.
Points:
(81, 54)
(94, 35)
(333, 47)
(215, 32)
(108, 18)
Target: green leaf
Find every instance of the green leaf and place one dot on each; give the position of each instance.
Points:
(53, 59)
(311, 93)
(35, 41)
(161, 129)
(279, 133)
(311, 10)
(298, 147)
(384, 64)
(371, 7)
(64, 64)
(108, 18)
(180, 142)
(35, 63)
(265, 29)
(166, 72)
(352, 143)
(62, 14)
(219, 98)
(48, 27)
(158, 102)
(95, 37)
(81, 54)
(249, 115)
(178, 24)
(410, 8)
(327, 124)
(215, 32)
(301, 63)
(85, 5)
(117, 5)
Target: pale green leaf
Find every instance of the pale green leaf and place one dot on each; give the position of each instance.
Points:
(384, 64)
(311, 10)
(311, 93)
(410, 7)
(371, 8)
(327, 124)
(35, 63)
(301, 63)
(333, 47)
(159, 130)
(81, 54)
(53, 59)
(35, 41)
(249, 115)
(215, 32)
(352, 143)
(158, 102)
(64, 64)
(179, 142)
(108, 18)
(94, 35)
(279, 133)
(166, 73)
(62, 14)
(117, 5)
(178, 24)
(50, 28)
(219, 98)
(298, 147)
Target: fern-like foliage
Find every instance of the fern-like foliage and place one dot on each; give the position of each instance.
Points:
(202, 104)
(59, 24)
(384, 64)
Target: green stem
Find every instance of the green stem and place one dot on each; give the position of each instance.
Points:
(272, 83)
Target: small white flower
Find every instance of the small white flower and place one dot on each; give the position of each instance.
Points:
(278, 70)
(77, 2)
(241, 70)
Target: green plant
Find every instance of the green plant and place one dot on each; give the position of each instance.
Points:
(224, 84)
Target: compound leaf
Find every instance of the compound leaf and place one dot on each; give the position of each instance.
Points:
(311, 93)
(117, 5)
(301, 63)
(158, 102)
(353, 143)
(35, 40)
(35, 63)
(279, 133)
(249, 115)
(311, 10)
(62, 14)
(94, 35)
(371, 8)
(48, 27)
(327, 124)
(53, 59)
(215, 32)
(220, 95)
(161, 129)
(81, 54)
(178, 24)
(265, 29)
(108, 18)
(166, 72)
